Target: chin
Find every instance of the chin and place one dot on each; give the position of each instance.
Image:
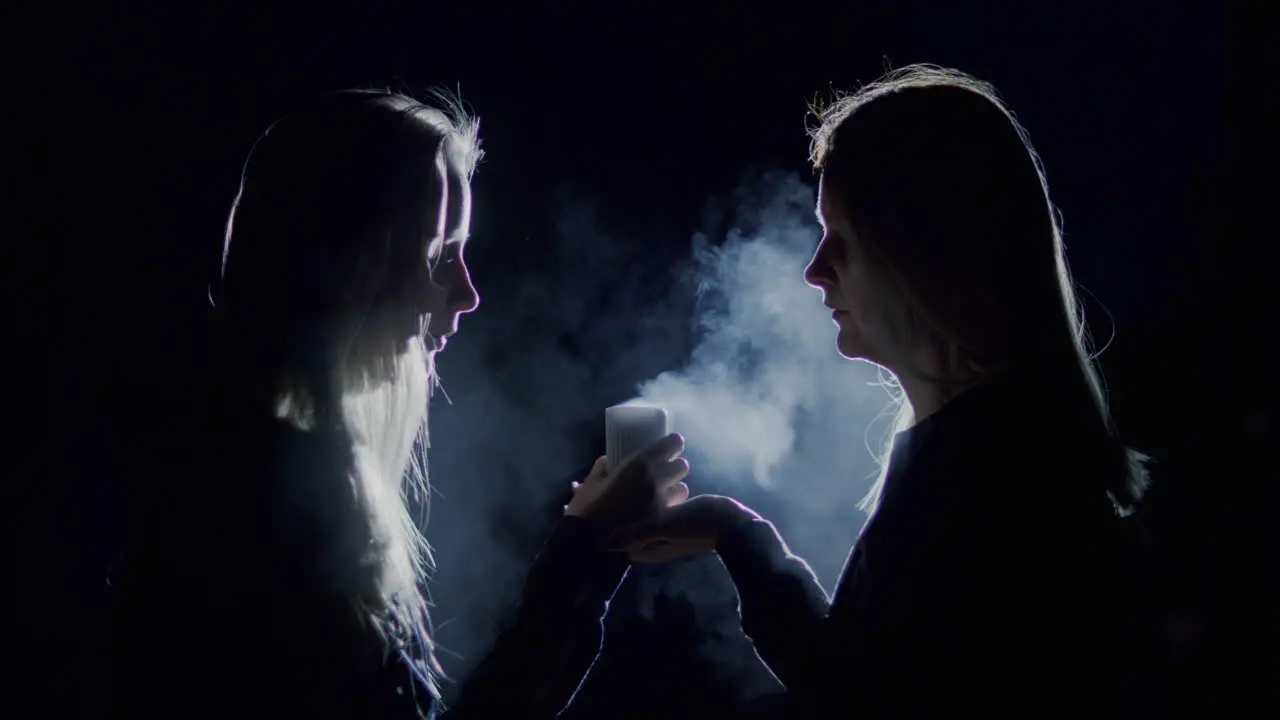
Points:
(847, 346)
(851, 347)
(849, 354)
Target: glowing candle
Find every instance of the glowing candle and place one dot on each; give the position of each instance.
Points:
(628, 429)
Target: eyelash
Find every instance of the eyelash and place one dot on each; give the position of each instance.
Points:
(446, 255)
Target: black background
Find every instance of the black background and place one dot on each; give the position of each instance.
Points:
(144, 113)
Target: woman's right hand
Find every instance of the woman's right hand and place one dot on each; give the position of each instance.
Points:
(644, 483)
(682, 529)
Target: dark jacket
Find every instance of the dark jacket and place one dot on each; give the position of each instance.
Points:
(540, 659)
(219, 612)
(995, 578)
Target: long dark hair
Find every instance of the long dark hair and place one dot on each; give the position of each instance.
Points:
(950, 199)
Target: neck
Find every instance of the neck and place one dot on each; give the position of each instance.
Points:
(927, 397)
(930, 384)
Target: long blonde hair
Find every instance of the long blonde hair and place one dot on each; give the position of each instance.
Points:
(327, 227)
(944, 189)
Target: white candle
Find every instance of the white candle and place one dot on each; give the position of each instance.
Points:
(628, 429)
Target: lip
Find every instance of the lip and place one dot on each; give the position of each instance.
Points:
(838, 313)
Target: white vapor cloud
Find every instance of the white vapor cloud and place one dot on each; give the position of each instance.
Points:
(765, 402)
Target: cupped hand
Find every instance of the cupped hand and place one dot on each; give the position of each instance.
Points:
(642, 484)
(691, 527)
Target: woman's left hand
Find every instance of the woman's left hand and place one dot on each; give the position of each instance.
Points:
(645, 482)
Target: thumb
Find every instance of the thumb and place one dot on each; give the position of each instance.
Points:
(599, 470)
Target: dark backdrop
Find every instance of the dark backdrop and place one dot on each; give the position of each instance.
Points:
(633, 118)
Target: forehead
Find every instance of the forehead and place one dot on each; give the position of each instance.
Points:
(823, 208)
(832, 213)
(457, 220)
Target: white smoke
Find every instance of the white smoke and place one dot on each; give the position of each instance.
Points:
(765, 402)
(771, 413)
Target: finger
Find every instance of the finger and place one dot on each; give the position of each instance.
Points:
(667, 474)
(668, 448)
(635, 533)
(599, 470)
(650, 552)
(675, 494)
(657, 553)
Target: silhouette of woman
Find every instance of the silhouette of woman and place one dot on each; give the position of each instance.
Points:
(995, 573)
(284, 572)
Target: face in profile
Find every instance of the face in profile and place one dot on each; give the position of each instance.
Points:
(840, 268)
(447, 292)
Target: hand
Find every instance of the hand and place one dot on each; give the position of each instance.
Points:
(642, 484)
(682, 529)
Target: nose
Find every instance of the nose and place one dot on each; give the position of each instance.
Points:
(464, 297)
(819, 272)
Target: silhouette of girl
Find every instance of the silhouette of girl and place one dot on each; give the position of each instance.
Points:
(283, 572)
(995, 572)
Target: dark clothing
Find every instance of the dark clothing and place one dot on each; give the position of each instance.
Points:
(673, 648)
(994, 579)
(321, 661)
(539, 661)
(230, 618)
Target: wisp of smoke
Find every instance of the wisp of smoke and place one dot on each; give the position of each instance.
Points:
(771, 413)
(766, 404)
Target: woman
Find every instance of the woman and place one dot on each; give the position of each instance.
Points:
(286, 575)
(994, 573)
